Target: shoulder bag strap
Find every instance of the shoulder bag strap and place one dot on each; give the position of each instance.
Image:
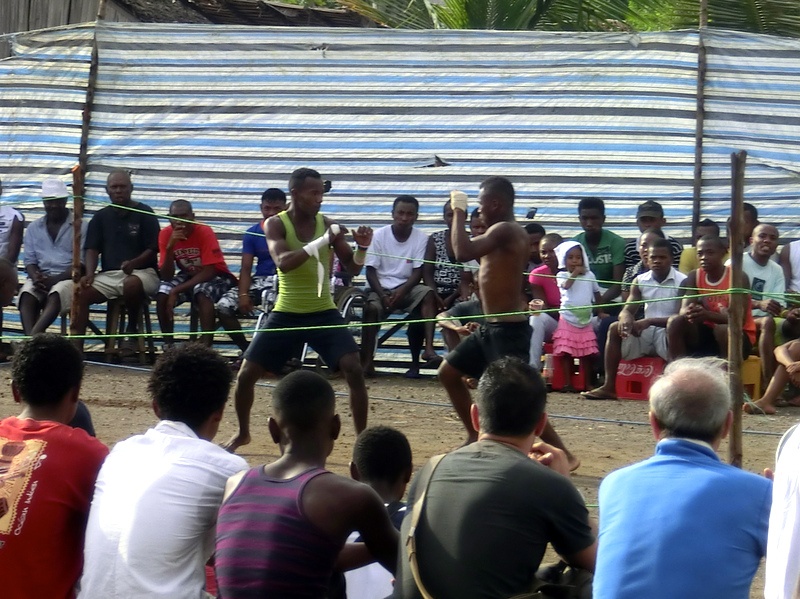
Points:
(416, 513)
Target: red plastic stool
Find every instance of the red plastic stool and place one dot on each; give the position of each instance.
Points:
(634, 377)
(578, 377)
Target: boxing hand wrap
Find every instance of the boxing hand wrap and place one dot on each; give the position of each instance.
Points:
(458, 200)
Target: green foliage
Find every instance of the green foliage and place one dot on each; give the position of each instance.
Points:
(778, 17)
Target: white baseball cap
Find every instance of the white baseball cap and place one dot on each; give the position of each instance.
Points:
(54, 189)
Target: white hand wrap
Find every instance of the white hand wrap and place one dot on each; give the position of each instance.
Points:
(312, 248)
(458, 200)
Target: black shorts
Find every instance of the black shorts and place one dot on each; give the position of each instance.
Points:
(491, 341)
(707, 344)
(272, 348)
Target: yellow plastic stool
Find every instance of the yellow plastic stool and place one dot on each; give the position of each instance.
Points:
(751, 377)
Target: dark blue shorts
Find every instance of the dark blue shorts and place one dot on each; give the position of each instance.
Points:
(272, 348)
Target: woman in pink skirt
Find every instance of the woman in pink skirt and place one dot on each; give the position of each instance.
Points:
(575, 336)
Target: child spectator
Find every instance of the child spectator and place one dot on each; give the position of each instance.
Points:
(382, 460)
(575, 336)
(283, 525)
(546, 295)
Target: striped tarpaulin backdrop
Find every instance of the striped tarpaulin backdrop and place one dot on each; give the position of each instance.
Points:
(215, 114)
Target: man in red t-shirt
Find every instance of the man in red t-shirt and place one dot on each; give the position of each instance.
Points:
(202, 276)
(47, 473)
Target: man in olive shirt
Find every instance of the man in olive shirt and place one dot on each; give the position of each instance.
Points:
(493, 506)
(124, 236)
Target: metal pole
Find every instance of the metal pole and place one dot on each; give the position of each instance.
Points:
(79, 171)
(736, 307)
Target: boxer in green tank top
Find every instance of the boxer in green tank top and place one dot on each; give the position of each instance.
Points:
(300, 241)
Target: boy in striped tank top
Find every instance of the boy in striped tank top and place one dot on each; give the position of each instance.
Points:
(283, 526)
(701, 328)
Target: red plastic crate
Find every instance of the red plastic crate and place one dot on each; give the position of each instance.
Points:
(578, 378)
(634, 377)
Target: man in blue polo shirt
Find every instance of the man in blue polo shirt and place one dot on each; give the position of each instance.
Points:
(241, 300)
(683, 523)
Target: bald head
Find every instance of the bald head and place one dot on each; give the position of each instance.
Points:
(692, 400)
(119, 187)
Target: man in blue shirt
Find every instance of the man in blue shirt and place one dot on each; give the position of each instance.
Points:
(242, 299)
(48, 260)
(683, 523)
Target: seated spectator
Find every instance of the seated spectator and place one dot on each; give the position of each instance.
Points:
(125, 236)
(394, 271)
(641, 267)
(782, 573)
(632, 337)
(8, 289)
(650, 217)
(151, 526)
(787, 357)
(606, 251)
(682, 523)
(790, 262)
(768, 286)
(47, 471)
(493, 506)
(535, 233)
(701, 328)
(546, 296)
(304, 512)
(242, 299)
(441, 270)
(48, 259)
(11, 227)
(460, 321)
(202, 276)
(749, 223)
(382, 460)
(689, 261)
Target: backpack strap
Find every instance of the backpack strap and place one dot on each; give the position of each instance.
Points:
(416, 513)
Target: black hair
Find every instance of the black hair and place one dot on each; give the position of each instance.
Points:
(592, 204)
(746, 207)
(382, 453)
(707, 222)
(299, 176)
(533, 228)
(715, 240)
(185, 203)
(655, 231)
(189, 383)
(554, 237)
(476, 213)
(499, 187)
(405, 199)
(302, 398)
(511, 398)
(273, 194)
(661, 243)
(45, 368)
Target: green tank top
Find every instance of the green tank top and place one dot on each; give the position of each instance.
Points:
(297, 289)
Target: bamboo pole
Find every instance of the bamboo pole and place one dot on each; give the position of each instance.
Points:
(736, 306)
(79, 171)
(700, 112)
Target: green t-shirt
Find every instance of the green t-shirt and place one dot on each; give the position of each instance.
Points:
(610, 252)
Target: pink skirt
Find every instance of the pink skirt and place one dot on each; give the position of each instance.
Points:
(573, 340)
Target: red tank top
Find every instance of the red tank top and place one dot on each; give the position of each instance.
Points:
(715, 303)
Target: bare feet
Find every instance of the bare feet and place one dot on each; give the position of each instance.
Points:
(236, 442)
(759, 408)
(574, 463)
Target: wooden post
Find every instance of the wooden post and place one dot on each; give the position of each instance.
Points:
(79, 171)
(700, 112)
(737, 306)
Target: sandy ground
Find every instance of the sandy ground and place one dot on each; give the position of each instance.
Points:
(605, 435)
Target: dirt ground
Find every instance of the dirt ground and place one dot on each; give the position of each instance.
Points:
(604, 435)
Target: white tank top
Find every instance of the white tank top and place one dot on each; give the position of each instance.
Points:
(794, 260)
(7, 217)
